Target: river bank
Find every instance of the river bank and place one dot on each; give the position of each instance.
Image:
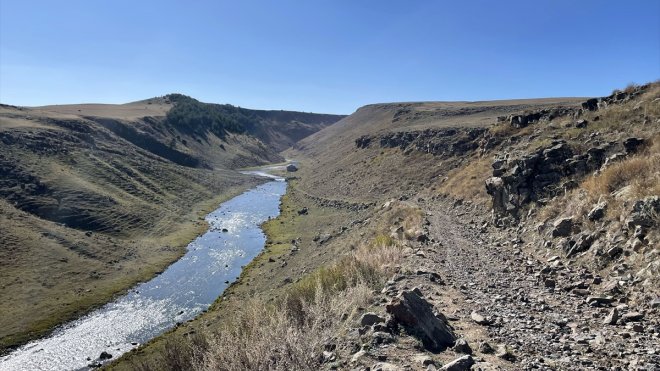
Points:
(33, 347)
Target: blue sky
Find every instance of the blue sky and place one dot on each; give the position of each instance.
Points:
(322, 56)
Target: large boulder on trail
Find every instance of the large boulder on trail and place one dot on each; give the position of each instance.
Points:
(416, 315)
(291, 168)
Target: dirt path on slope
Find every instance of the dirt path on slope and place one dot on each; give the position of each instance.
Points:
(539, 309)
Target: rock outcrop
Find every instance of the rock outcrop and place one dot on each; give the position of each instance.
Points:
(439, 142)
(548, 172)
(617, 97)
(522, 120)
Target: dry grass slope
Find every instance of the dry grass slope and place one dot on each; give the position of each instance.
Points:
(290, 332)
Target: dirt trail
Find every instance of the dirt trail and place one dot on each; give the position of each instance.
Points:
(537, 308)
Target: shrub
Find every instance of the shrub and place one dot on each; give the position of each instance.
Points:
(193, 117)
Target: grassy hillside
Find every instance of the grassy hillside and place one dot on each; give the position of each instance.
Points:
(94, 198)
(334, 166)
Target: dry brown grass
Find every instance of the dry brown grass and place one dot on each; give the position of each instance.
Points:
(467, 182)
(292, 332)
(267, 337)
(641, 172)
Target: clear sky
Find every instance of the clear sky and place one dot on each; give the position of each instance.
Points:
(323, 56)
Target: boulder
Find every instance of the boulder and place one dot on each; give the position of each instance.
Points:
(363, 141)
(598, 211)
(357, 356)
(486, 348)
(582, 123)
(423, 360)
(582, 242)
(462, 346)
(105, 355)
(590, 105)
(562, 227)
(612, 317)
(416, 315)
(632, 144)
(495, 188)
(291, 168)
(370, 319)
(460, 364)
(632, 317)
(479, 319)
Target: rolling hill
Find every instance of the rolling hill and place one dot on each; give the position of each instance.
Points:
(94, 197)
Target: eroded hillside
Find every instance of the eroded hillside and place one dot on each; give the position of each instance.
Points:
(94, 198)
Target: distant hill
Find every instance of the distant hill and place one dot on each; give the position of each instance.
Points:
(99, 196)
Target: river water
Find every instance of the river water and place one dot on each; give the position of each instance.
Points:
(180, 293)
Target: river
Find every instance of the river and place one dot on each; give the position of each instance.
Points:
(180, 293)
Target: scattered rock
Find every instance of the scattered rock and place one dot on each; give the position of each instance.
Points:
(462, 346)
(329, 356)
(423, 360)
(379, 337)
(485, 348)
(597, 212)
(505, 353)
(632, 317)
(655, 303)
(479, 319)
(460, 364)
(612, 317)
(485, 366)
(384, 366)
(356, 357)
(599, 300)
(644, 212)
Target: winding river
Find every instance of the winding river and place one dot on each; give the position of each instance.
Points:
(180, 293)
